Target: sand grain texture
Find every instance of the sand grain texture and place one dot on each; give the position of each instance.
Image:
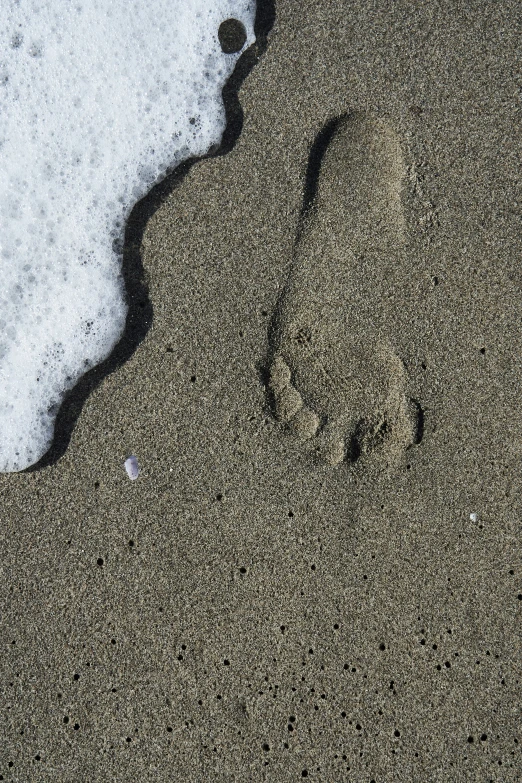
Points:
(245, 610)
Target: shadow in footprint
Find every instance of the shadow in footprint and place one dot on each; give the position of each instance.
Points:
(140, 310)
(315, 159)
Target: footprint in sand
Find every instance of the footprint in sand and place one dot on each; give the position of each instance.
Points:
(334, 378)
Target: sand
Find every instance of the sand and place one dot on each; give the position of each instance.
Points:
(252, 608)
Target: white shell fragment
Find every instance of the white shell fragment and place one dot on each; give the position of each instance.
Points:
(473, 517)
(132, 467)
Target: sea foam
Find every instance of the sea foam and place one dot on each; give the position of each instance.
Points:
(98, 100)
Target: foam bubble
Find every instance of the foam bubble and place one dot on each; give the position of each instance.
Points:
(98, 99)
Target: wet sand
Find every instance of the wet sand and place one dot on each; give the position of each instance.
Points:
(247, 610)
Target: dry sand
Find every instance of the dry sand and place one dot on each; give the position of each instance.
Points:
(246, 611)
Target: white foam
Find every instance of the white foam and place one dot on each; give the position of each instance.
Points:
(98, 98)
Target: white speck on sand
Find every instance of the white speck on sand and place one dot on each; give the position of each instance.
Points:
(132, 467)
